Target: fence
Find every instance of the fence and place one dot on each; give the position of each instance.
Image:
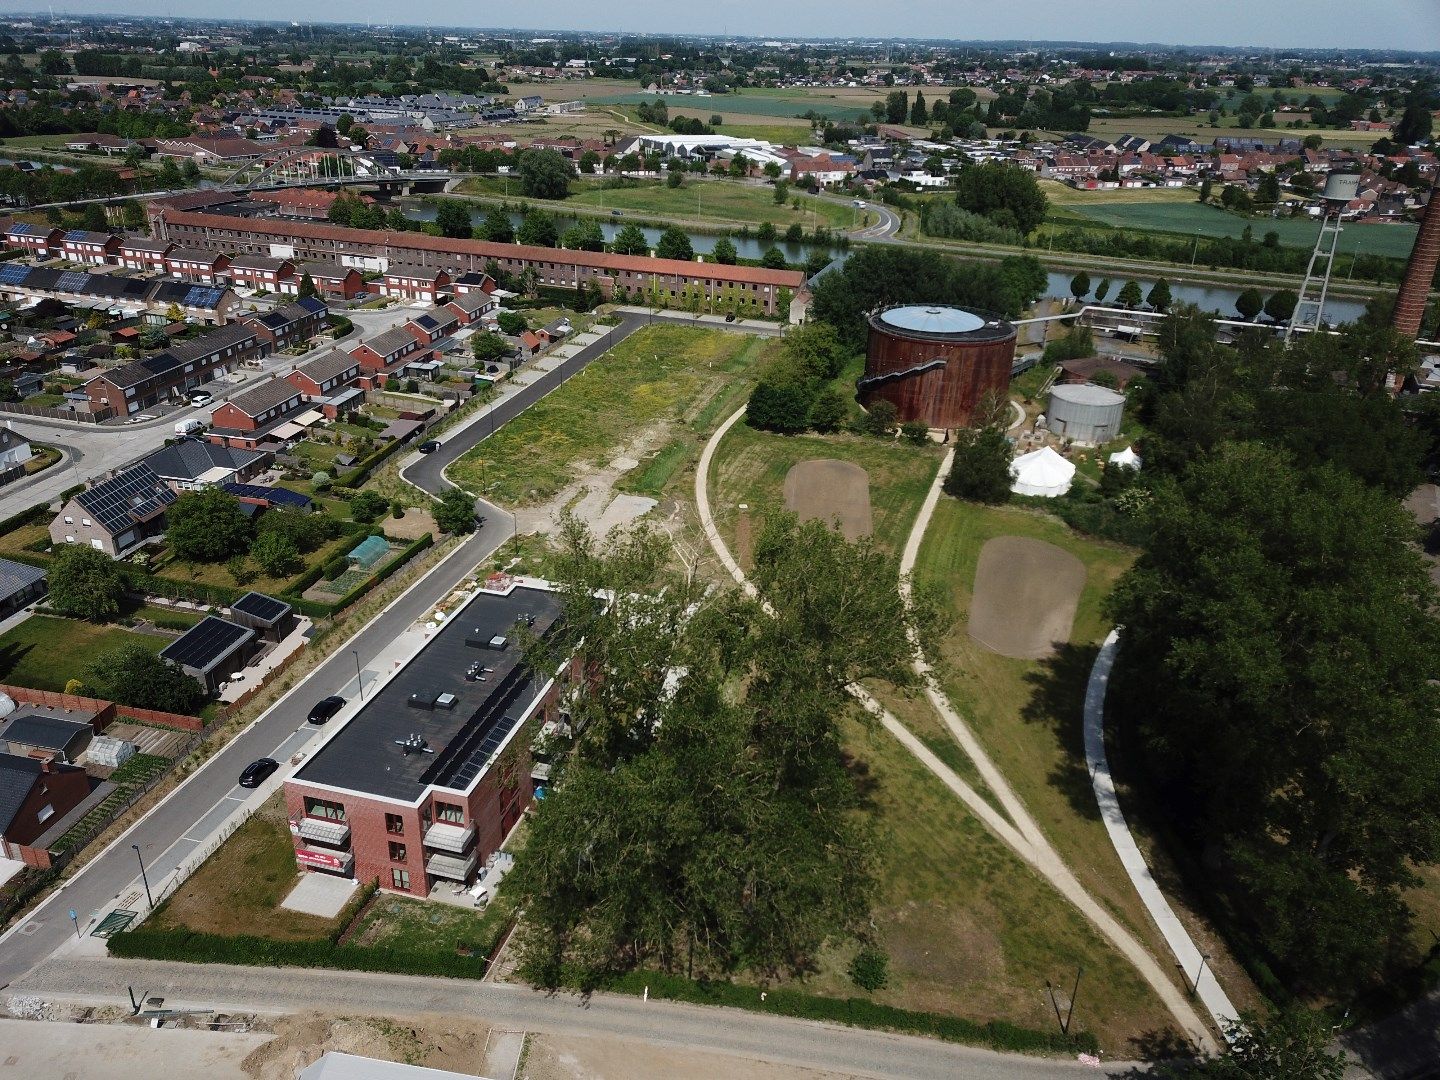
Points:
(182, 873)
(87, 417)
(24, 695)
(228, 711)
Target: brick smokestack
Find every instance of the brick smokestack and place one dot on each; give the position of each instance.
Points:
(1420, 271)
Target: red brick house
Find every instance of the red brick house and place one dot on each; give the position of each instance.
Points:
(324, 381)
(142, 253)
(289, 324)
(430, 326)
(330, 279)
(34, 796)
(414, 282)
(471, 307)
(206, 267)
(166, 375)
(476, 281)
(384, 353)
(40, 241)
(248, 419)
(260, 272)
(90, 248)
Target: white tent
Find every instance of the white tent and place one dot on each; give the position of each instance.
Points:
(1126, 458)
(1042, 472)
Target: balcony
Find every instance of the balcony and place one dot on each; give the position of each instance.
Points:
(341, 862)
(443, 836)
(324, 831)
(452, 868)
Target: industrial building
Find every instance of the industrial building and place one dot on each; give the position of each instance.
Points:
(432, 773)
(1085, 413)
(934, 363)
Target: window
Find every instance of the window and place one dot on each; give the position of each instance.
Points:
(394, 824)
(449, 812)
(397, 852)
(399, 879)
(69, 539)
(85, 522)
(46, 812)
(321, 808)
(69, 520)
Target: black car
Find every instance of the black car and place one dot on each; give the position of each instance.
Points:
(429, 446)
(325, 708)
(256, 772)
(730, 316)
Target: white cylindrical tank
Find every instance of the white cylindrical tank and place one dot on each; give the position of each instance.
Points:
(1085, 413)
(1341, 187)
(7, 705)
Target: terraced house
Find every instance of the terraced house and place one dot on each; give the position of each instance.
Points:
(289, 324)
(143, 383)
(249, 420)
(384, 354)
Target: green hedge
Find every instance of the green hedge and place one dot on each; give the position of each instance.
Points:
(856, 1012)
(384, 572)
(31, 516)
(356, 476)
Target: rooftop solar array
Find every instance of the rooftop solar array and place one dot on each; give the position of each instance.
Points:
(206, 643)
(202, 297)
(72, 281)
(130, 496)
(262, 607)
(13, 273)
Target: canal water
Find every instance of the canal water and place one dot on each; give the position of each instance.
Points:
(1217, 298)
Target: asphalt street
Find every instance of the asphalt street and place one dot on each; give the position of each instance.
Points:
(820, 1046)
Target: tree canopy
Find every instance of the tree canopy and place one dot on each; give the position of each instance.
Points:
(453, 220)
(544, 174)
(538, 229)
(85, 583)
(1006, 194)
(675, 244)
(207, 526)
(134, 675)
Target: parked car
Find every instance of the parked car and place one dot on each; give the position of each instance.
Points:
(429, 446)
(256, 772)
(325, 708)
(617, 213)
(201, 397)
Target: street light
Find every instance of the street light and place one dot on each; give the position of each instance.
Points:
(359, 683)
(139, 858)
(1195, 987)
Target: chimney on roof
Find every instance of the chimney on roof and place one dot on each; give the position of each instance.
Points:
(1420, 270)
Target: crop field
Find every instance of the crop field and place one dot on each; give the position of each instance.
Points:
(1189, 217)
(748, 104)
(716, 199)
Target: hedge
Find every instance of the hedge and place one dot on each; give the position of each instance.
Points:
(856, 1012)
(384, 572)
(356, 476)
(29, 516)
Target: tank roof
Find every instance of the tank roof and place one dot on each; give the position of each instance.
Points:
(1086, 394)
(932, 319)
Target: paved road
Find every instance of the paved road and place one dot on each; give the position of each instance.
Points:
(505, 1005)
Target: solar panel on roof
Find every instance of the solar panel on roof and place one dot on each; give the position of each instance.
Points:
(206, 643)
(13, 273)
(202, 297)
(71, 281)
(260, 606)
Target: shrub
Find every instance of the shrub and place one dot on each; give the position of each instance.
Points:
(915, 432)
(335, 567)
(870, 970)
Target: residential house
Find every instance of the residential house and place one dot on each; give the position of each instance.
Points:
(20, 586)
(330, 279)
(326, 381)
(40, 241)
(90, 248)
(430, 326)
(194, 464)
(211, 650)
(15, 449)
(35, 795)
(473, 281)
(384, 353)
(207, 267)
(247, 420)
(142, 253)
(471, 307)
(410, 282)
(115, 515)
(143, 383)
(289, 324)
(260, 272)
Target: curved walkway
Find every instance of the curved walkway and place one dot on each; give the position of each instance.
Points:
(1187, 954)
(1024, 836)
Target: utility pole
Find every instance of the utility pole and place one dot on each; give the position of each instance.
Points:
(150, 899)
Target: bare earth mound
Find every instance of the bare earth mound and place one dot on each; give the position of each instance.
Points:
(1026, 592)
(835, 492)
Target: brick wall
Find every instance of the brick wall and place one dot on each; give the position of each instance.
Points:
(105, 711)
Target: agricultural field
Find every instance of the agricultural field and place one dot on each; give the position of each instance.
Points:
(1198, 128)
(1188, 218)
(713, 200)
(749, 104)
(647, 390)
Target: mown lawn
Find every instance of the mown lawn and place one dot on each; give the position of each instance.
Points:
(666, 375)
(45, 652)
(750, 468)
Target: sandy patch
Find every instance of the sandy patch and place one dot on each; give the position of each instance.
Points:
(1026, 593)
(1424, 503)
(437, 1042)
(557, 1057)
(413, 525)
(591, 497)
(836, 492)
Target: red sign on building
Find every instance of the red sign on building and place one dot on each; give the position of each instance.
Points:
(320, 858)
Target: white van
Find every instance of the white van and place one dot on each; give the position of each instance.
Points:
(189, 427)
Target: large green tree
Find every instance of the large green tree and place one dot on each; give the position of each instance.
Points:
(980, 471)
(134, 675)
(675, 244)
(1006, 194)
(497, 227)
(630, 240)
(207, 526)
(453, 219)
(545, 174)
(1279, 632)
(538, 229)
(85, 583)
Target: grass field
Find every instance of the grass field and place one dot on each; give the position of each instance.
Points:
(1198, 128)
(44, 652)
(749, 104)
(667, 375)
(1064, 195)
(1028, 713)
(750, 468)
(1188, 217)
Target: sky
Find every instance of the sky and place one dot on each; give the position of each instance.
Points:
(1399, 24)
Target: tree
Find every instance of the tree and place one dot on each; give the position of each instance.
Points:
(674, 244)
(85, 583)
(780, 406)
(589, 161)
(497, 227)
(489, 346)
(1080, 285)
(765, 234)
(584, 235)
(1415, 124)
(512, 323)
(1102, 290)
(781, 192)
(453, 220)
(455, 512)
(980, 471)
(1249, 304)
(773, 259)
(896, 107)
(276, 553)
(919, 115)
(1280, 306)
(96, 219)
(366, 506)
(1267, 189)
(915, 432)
(1006, 194)
(133, 675)
(538, 229)
(207, 526)
(630, 240)
(1159, 297)
(828, 411)
(1289, 1044)
(724, 252)
(880, 419)
(544, 174)
(1129, 294)
(1295, 732)
(1206, 187)
(306, 287)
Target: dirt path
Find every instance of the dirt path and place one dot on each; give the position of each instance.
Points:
(1020, 833)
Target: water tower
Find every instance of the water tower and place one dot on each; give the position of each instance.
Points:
(1340, 188)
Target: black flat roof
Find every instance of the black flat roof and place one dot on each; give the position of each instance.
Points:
(365, 755)
(206, 643)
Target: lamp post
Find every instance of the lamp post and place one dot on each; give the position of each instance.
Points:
(141, 860)
(359, 682)
(1195, 986)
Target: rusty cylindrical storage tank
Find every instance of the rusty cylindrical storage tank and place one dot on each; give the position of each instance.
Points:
(934, 362)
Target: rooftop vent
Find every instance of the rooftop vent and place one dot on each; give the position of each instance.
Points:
(414, 744)
(422, 699)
